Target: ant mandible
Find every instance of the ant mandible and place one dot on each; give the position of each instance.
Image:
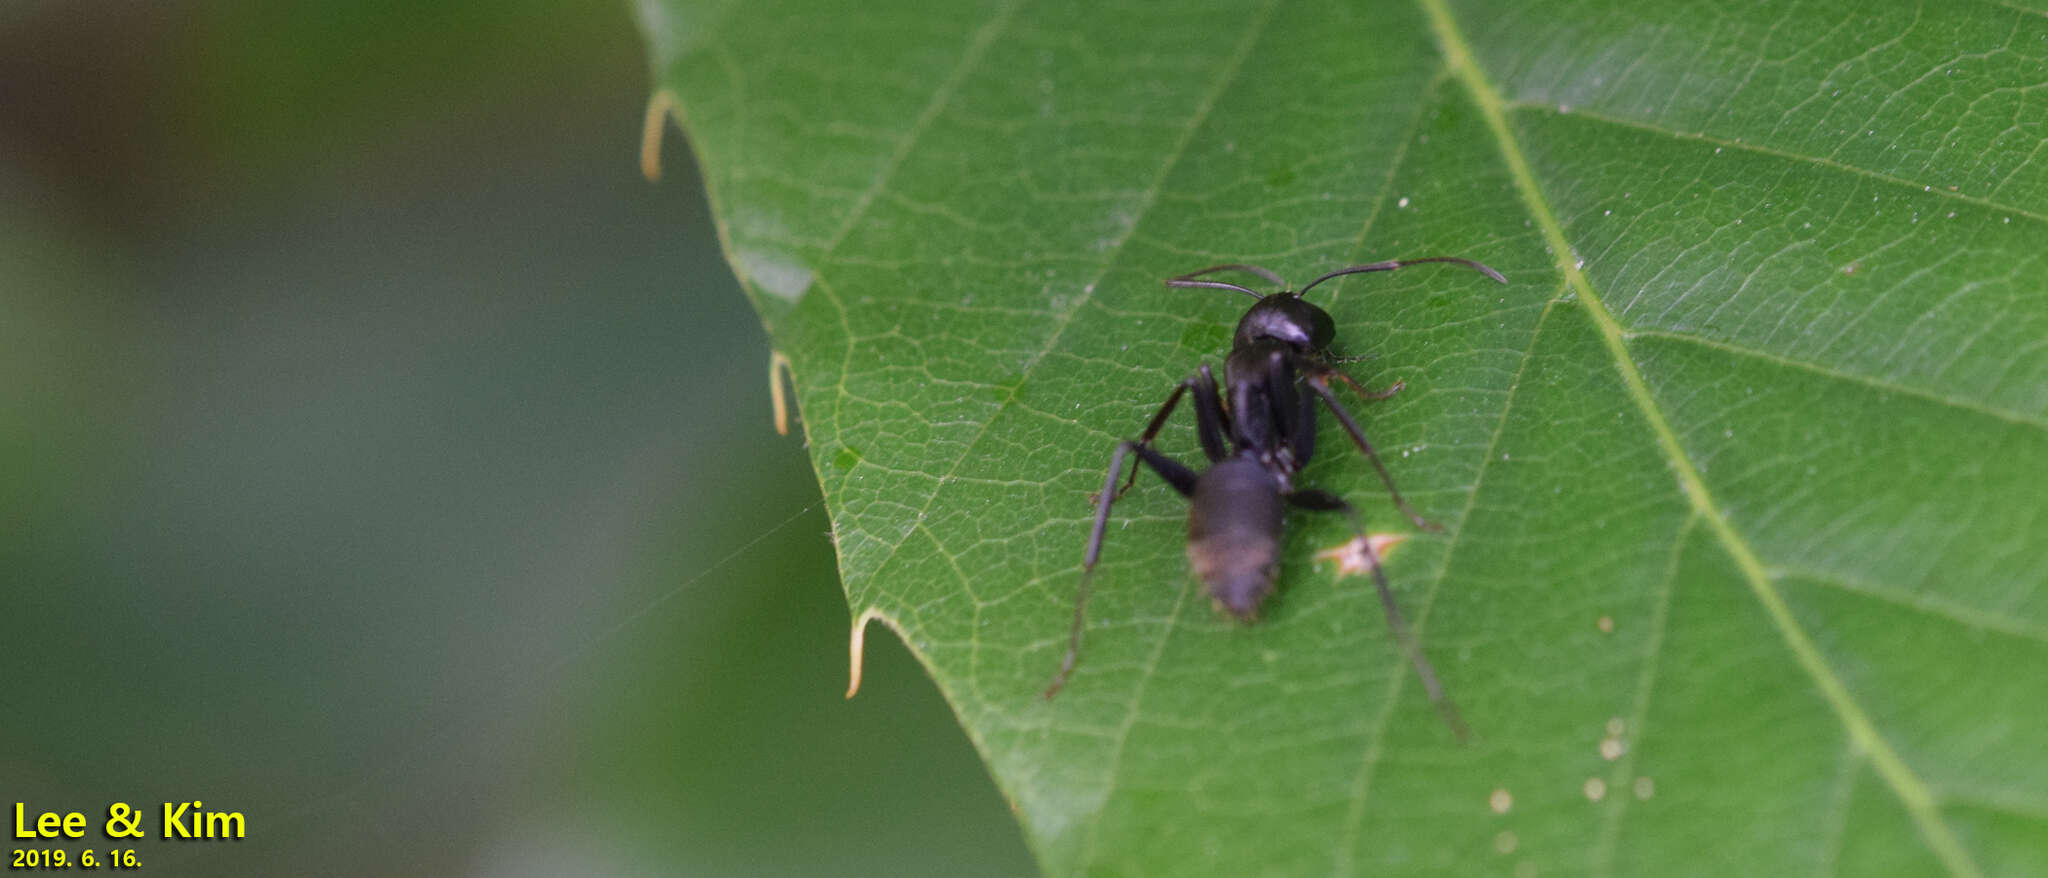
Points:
(1256, 443)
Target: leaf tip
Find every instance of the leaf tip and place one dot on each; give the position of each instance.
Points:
(651, 127)
(778, 366)
(856, 646)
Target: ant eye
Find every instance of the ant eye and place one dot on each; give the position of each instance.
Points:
(1325, 330)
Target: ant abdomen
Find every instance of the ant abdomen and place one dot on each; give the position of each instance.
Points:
(1234, 527)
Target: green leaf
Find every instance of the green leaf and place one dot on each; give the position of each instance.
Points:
(1742, 475)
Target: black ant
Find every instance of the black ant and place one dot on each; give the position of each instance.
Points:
(1238, 506)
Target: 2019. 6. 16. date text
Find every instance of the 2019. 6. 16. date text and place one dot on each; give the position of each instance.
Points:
(59, 858)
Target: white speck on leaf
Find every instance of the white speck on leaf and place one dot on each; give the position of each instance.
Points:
(776, 274)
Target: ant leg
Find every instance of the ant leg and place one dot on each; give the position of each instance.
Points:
(1371, 395)
(1209, 418)
(1152, 429)
(1319, 381)
(1211, 421)
(1175, 473)
(1326, 501)
(1302, 429)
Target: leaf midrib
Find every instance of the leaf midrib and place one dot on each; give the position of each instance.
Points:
(1912, 791)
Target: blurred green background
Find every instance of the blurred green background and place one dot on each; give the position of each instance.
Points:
(370, 440)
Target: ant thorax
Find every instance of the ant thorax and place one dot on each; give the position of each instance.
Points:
(1283, 466)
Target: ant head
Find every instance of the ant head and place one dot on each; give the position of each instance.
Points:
(1287, 318)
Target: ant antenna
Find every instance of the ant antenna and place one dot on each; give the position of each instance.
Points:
(1266, 273)
(1212, 284)
(1392, 264)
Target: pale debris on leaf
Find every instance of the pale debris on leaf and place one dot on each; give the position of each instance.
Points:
(1356, 554)
(1612, 748)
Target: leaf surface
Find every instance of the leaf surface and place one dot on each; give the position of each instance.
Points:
(1742, 475)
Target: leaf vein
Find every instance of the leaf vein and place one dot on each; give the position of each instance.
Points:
(1363, 785)
(1968, 617)
(2009, 416)
(1847, 770)
(1759, 149)
(976, 48)
(1151, 196)
(1639, 713)
(1130, 720)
